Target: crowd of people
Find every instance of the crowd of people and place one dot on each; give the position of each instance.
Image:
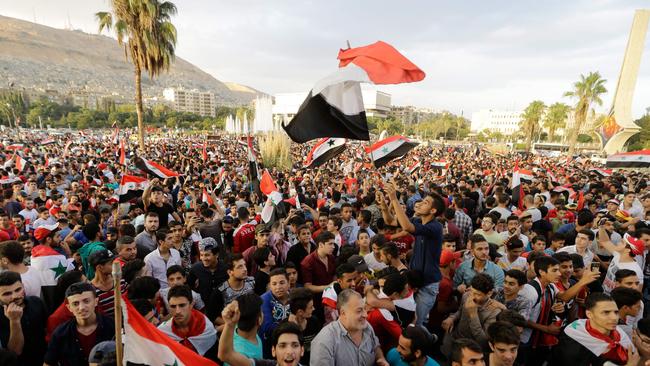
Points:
(443, 264)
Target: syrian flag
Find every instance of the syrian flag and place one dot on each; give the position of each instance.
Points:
(413, 168)
(206, 197)
(603, 172)
(155, 169)
(15, 147)
(131, 187)
(551, 176)
(204, 153)
(221, 177)
(294, 201)
(270, 206)
(122, 160)
(252, 162)
(324, 150)
(116, 134)
(21, 163)
(50, 265)
(517, 189)
(267, 185)
(383, 151)
(7, 180)
(633, 159)
(442, 164)
(47, 142)
(334, 106)
(578, 332)
(147, 345)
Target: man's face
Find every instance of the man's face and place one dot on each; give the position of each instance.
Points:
(292, 275)
(404, 350)
(505, 353)
(538, 246)
(486, 224)
(629, 198)
(13, 293)
(470, 358)
(346, 213)
(582, 241)
(348, 280)
(304, 236)
(449, 245)
(566, 270)
(177, 232)
(262, 239)
(481, 250)
(227, 227)
(479, 297)
(239, 270)
(424, 207)
(29, 204)
(27, 245)
(329, 246)
(512, 226)
(635, 309)
(645, 238)
(527, 224)
(553, 273)
(330, 226)
(288, 350)
(353, 315)
(629, 282)
(208, 258)
(611, 206)
(322, 221)
(4, 221)
(515, 252)
(18, 222)
(82, 305)
(175, 279)
(510, 286)
(157, 196)
(279, 285)
(270, 261)
(604, 315)
(127, 251)
(151, 223)
(180, 310)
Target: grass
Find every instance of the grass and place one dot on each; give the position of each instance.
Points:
(275, 150)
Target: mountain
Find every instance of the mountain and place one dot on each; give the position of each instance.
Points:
(244, 92)
(35, 56)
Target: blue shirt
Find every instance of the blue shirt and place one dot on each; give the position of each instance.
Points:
(426, 250)
(246, 348)
(394, 359)
(466, 272)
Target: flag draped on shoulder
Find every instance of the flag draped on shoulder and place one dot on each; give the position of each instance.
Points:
(131, 187)
(334, 107)
(383, 151)
(324, 150)
(50, 264)
(155, 169)
(145, 344)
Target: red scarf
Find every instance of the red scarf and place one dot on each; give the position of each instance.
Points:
(617, 353)
(194, 328)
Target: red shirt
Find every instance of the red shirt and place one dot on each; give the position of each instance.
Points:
(314, 270)
(404, 243)
(388, 331)
(243, 237)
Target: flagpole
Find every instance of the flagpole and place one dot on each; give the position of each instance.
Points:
(117, 276)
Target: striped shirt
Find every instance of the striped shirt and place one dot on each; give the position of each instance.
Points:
(106, 299)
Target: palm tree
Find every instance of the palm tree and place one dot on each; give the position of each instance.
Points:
(556, 118)
(586, 91)
(145, 30)
(530, 121)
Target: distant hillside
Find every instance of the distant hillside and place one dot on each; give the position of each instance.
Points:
(41, 57)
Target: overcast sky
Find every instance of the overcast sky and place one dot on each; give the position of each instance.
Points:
(476, 54)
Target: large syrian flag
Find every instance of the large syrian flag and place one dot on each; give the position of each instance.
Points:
(383, 151)
(131, 187)
(414, 167)
(324, 150)
(603, 172)
(155, 169)
(147, 345)
(334, 107)
(21, 163)
(633, 159)
(518, 175)
(50, 265)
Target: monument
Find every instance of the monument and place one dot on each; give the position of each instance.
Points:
(619, 126)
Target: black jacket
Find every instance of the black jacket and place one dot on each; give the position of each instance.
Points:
(64, 348)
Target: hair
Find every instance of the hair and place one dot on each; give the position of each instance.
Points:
(126, 230)
(343, 269)
(518, 275)
(161, 234)
(594, 298)
(558, 237)
(584, 218)
(513, 242)
(302, 227)
(290, 264)
(250, 307)
(590, 234)
(578, 261)
(459, 345)
(79, 288)
(344, 297)
(378, 240)
(299, 298)
(562, 257)
(502, 332)
(144, 287)
(482, 282)
(125, 240)
(152, 214)
(512, 317)
(420, 339)
(8, 278)
(180, 291)
(391, 249)
(279, 272)
(512, 218)
(13, 251)
(261, 255)
(477, 238)
(624, 273)
(142, 306)
(324, 236)
(543, 263)
(395, 283)
(644, 326)
(533, 256)
(62, 284)
(131, 269)
(230, 264)
(175, 269)
(286, 328)
(337, 221)
(624, 296)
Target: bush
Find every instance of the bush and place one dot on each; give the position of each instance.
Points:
(275, 151)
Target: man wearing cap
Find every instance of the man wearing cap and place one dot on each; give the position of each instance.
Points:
(49, 235)
(623, 257)
(73, 341)
(262, 234)
(102, 262)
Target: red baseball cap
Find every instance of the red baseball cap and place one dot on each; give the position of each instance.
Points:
(446, 257)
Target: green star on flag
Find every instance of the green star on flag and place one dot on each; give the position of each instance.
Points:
(384, 150)
(174, 364)
(59, 270)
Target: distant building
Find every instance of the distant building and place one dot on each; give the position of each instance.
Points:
(192, 101)
(410, 115)
(506, 122)
(286, 105)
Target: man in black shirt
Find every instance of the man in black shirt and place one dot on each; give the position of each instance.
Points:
(206, 275)
(22, 322)
(154, 201)
(302, 249)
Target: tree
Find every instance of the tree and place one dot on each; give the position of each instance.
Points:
(530, 121)
(556, 118)
(145, 30)
(586, 92)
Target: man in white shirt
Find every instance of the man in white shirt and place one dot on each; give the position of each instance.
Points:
(11, 259)
(583, 239)
(158, 261)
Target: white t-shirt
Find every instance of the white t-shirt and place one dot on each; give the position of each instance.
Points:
(520, 263)
(610, 278)
(32, 282)
(588, 257)
(372, 263)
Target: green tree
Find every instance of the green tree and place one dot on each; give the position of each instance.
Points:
(530, 121)
(556, 118)
(145, 30)
(586, 92)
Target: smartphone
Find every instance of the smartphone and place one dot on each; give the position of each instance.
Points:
(595, 266)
